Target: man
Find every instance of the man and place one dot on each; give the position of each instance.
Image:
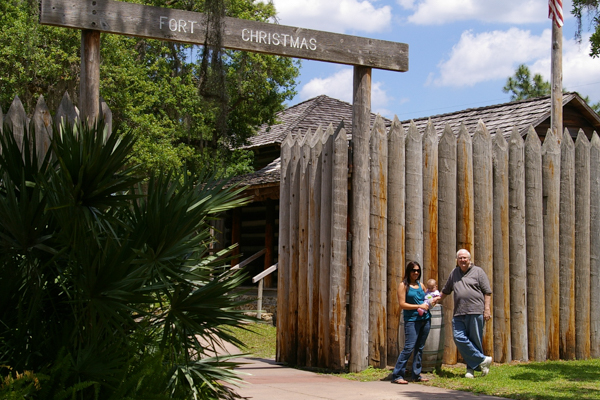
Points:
(472, 297)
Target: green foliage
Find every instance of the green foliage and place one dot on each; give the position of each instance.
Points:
(523, 86)
(107, 287)
(35, 60)
(156, 90)
(591, 10)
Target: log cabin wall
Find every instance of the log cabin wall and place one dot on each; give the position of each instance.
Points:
(526, 210)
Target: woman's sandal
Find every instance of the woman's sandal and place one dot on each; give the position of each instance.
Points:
(400, 381)
(421, 379)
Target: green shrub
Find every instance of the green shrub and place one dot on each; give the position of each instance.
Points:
(106, 284)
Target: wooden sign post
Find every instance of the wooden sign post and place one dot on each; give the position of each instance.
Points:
(94, 16)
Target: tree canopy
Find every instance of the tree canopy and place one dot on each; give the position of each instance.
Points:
(523, 86)
(187, 105)
(589, 9)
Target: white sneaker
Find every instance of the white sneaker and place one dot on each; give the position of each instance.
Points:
(470, 373)
(485, 366)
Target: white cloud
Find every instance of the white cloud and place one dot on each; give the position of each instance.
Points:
(495, 55)
(339, 86)
(490, 55)
(334, 15)
(581, 73)
(438, 12)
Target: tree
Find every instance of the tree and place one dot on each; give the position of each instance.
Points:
(107, 289)
(187, 105)
(591, 9)
(523, 86)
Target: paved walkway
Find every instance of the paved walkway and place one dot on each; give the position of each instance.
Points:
(267, 380)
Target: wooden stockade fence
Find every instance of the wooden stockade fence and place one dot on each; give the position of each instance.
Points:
(41, 121)
(528, 212)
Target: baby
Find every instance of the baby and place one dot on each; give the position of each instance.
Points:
(431, 293)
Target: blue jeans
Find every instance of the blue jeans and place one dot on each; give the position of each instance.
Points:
(415, 335)
(468, 331)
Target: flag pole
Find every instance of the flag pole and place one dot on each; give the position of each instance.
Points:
(556, 118)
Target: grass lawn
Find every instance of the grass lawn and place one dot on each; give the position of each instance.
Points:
(260, 340)
(551, 380)
(548, 380)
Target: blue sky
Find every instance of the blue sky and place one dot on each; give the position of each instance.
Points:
(460, 51)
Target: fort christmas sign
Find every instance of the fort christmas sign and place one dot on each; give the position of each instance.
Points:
(95, 16)
(190, 27)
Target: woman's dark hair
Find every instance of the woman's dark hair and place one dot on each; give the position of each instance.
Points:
(409, 268)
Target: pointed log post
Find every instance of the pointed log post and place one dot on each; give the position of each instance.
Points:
(325, 246)
(67, 113)
(303, 250)
(396, 234)
(16, 119)
(89, 84)
(107, 116)
(294, 246)
(42, 121)
(378, 246)
(595, 246)
(556, 113)
(447, 231)
(551, 196)
(567, 248)
(582, 246)
(283, 284)
(430, 203)
(414, 196)
(339, 251)
(501, 288)
(465, 223)
(534, 231)
(518, 253)
(314, 243)
(359, 285)
(483, 218)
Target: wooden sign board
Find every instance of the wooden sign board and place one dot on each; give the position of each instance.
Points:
(190, 27)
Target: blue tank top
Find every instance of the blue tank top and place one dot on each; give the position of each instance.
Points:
(415, 296)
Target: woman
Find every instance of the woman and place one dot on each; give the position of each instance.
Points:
(411, 297)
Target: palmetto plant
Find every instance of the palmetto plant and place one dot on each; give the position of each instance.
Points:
(107, 289)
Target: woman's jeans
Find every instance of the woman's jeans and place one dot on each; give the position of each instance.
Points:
(468, 332)
(415, 335)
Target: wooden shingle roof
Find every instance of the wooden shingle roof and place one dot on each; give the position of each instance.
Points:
(519, 114)
(310, 114)
(323, 110)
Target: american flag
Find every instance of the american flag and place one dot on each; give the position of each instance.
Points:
(555, 12)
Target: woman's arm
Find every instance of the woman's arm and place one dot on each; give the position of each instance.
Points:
(402, 299)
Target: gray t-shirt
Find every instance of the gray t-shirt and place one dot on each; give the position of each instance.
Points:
(469, 290)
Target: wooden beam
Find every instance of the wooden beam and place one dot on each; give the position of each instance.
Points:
(361, 192)
(89, 86)
(190, 27)
(556, 71)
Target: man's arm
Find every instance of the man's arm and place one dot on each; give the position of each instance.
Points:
(438, 299)
(487, 314)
